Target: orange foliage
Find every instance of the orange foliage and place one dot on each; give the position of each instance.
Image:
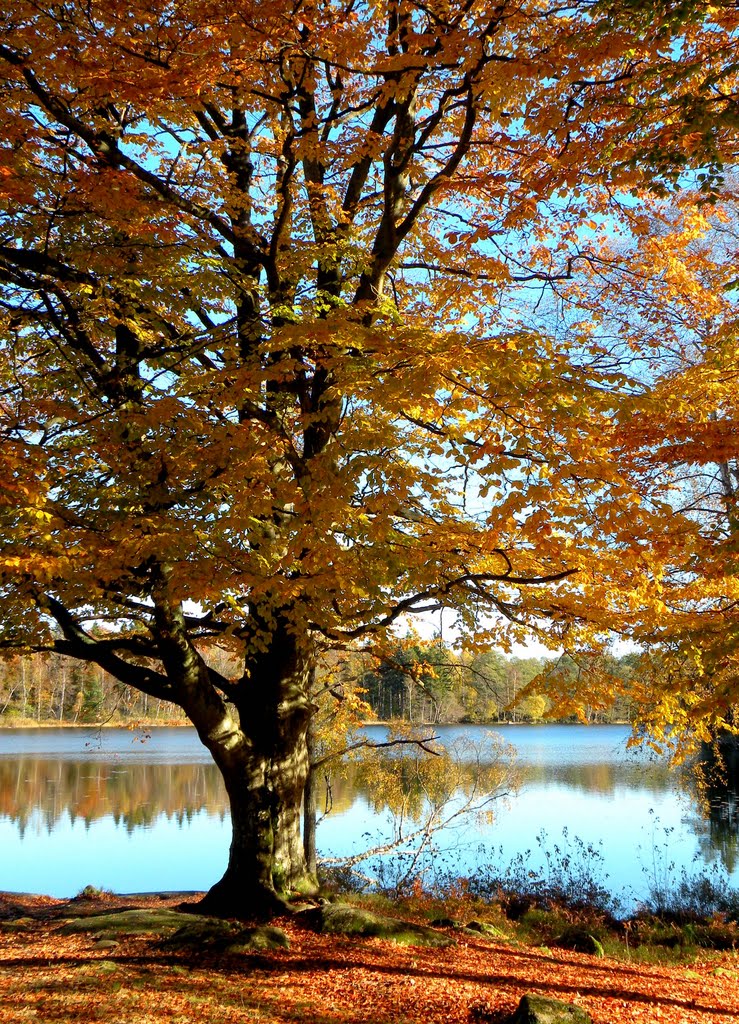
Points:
(271, 372)
(335, 979)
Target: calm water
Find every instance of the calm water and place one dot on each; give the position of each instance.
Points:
(132, 813)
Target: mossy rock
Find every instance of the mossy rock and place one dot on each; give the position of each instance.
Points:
(256, 939)
(180, 930)
(342, 919)
(580, 940)
(485, 929)
(20, 924)
(129, 922)
(214, 934)
(92, 892)
(106, 965)
(725, 972)
(542, 1010)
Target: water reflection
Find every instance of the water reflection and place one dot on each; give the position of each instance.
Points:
(136, 793)
(123, 806)
(602, 779)
(714, 783)
(47, 790)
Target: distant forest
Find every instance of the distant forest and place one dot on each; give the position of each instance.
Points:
(427, 684)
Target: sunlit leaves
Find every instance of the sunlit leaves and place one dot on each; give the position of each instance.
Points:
(307, 311)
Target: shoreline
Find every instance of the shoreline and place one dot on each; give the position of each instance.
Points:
(96, 726)
(179, 723)
(154, 894)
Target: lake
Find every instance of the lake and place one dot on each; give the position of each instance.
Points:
(134, 812)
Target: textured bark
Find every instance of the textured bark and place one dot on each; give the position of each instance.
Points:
(246, 888)
(310, 810)
(264, 763)
(266, 861)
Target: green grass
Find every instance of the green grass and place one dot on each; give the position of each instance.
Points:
(648, 939)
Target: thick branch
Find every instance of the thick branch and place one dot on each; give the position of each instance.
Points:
(77, 643)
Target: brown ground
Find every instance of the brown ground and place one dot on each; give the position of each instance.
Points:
(322, 979)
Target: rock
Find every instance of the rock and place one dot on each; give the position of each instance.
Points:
(261, 938)
(203, 932)
(720, 972)
(579, 939)
(299, 908)
(130, 922)
(106, 965)
(485, 929)
(214, 934)
(542, 1010)
(20, 924)
(179, 930)
(342, 919)
(92, 892)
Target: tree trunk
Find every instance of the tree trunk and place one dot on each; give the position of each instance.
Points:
(63, 696)
(263, 757)
(266, 860)
(24, 689)
(310, 809)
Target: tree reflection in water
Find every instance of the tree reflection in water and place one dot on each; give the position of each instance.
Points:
(715, 782)
(136, 794)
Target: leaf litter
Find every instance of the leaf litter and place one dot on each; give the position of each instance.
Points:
(325, 979)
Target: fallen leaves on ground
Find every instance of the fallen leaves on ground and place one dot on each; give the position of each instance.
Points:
(325, 979)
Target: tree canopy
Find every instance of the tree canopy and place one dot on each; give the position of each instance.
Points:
(298, 338)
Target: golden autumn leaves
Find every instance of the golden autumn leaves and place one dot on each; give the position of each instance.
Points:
(335, 314)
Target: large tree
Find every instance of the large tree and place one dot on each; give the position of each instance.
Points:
(270, 373)
(672, 303)
(683, 436)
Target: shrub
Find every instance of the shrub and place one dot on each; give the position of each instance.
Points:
(692, 897)
(572, 876)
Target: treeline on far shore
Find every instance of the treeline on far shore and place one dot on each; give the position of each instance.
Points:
(54, 689)
(428, 683)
